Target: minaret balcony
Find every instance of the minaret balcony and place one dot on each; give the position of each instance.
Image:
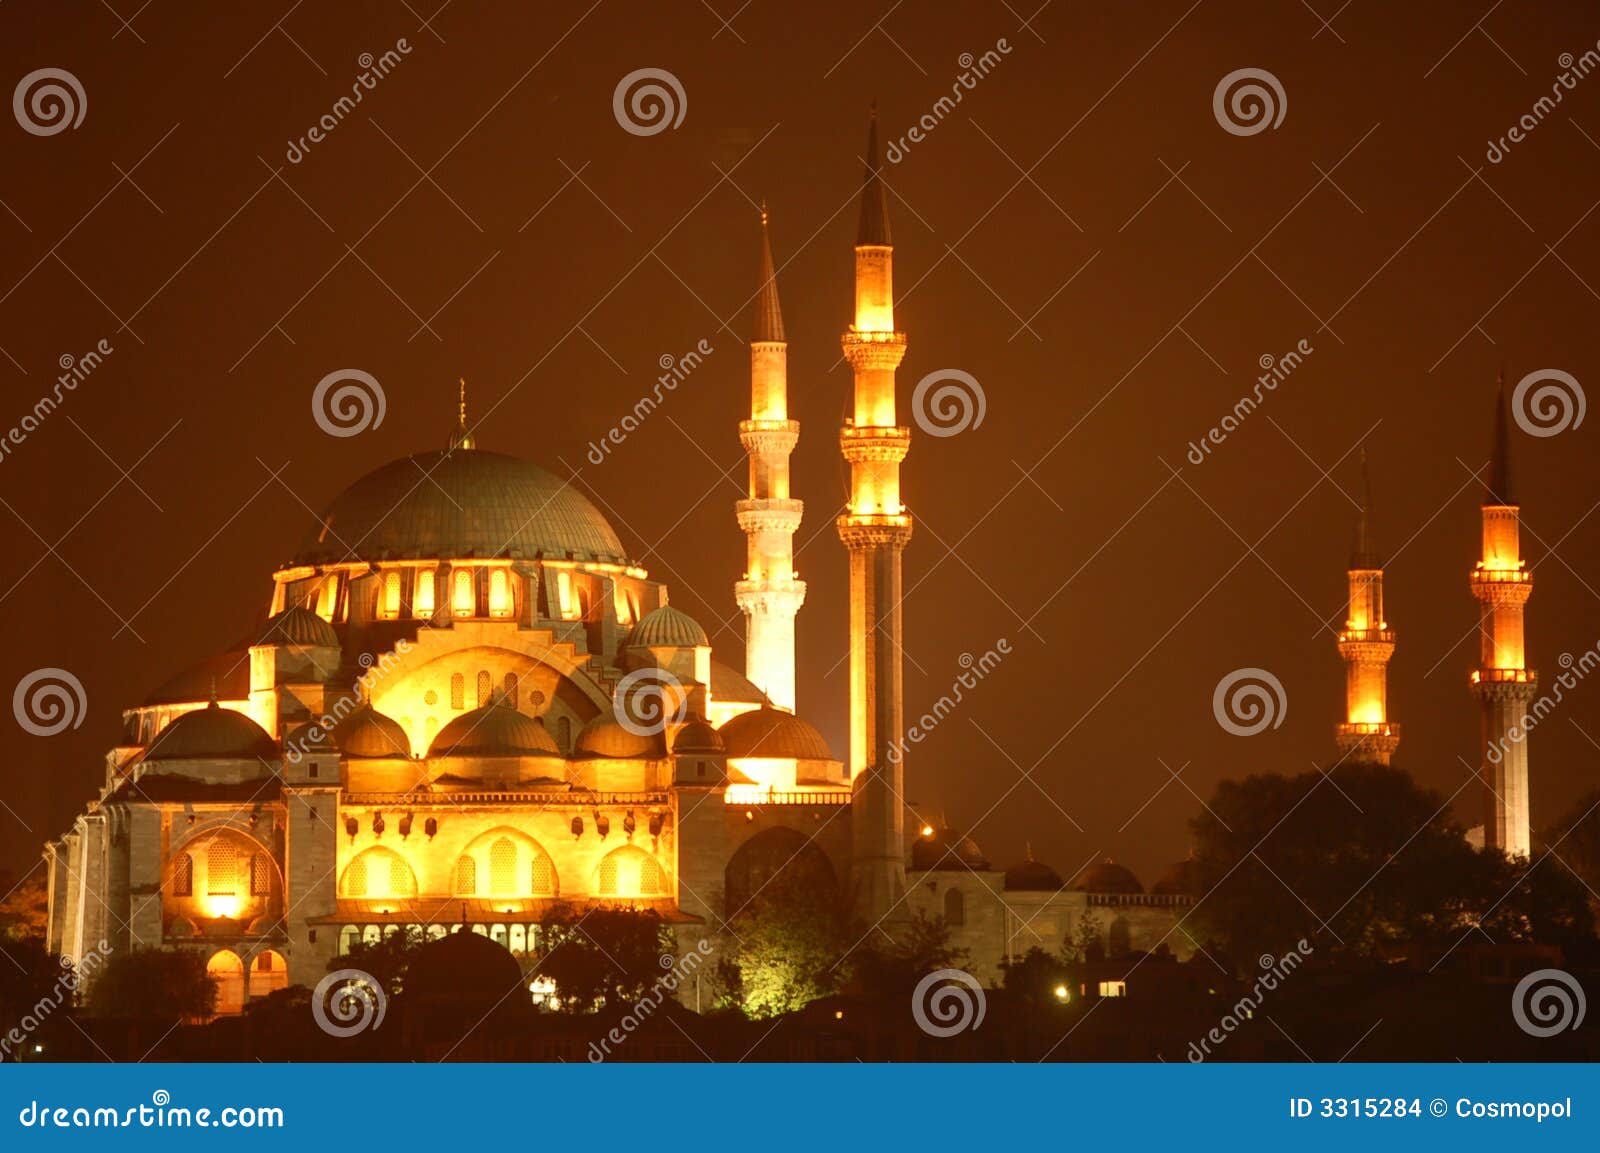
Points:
(874, 444)
(769, 437)
(1504, 676)
(873, 350)
(1374, 636)
(1502, 586)
(874, 530)
(770, 515)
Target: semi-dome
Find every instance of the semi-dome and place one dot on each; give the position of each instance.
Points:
(1031, 876)
(947, 849)
(213, 734)
(1107, 877)
(667, 627)
(369, 733)
(298, 625)
(605, 738)
(774, 733)
(495, 730)
(463, 503)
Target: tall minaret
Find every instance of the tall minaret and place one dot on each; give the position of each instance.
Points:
(769, 594)
(1366, 644)
(1502, 681)
(875, 529)
(462, 437)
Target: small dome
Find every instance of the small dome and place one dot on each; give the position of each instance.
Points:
(463, 968)
(1180, 879)
(605, 738)
(298, 625)
(369, 733)
(495, 730)
(212, 734)
(1033, 876)
(1107, 877)
(774, 733)
(697, 736)
(666, 627)
(946, 849)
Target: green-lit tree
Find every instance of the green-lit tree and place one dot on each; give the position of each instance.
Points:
(24, 906)
(787, 949)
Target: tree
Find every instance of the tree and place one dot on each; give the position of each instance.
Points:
(891, 968)
(1035, 976)
(787, 943)
(605, 956)
(24, 906)
(1364, 861)
(386, 960)
(1083, 942)
(1575, 840)
(154, 984)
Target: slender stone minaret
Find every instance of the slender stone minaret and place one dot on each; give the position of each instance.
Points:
(1366, 644)
(769, 594)
(1502, 682)
(875, 529)
(461, 437)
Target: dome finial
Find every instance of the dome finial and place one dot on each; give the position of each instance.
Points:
(462, 438)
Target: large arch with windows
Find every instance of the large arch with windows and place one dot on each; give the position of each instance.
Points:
(508, 863)
(630, 872)
(779, 861)
(221, 876)
(377, 872)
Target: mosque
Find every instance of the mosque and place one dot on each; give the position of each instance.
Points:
(468, 704)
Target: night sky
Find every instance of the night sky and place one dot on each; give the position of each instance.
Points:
(1080, 234)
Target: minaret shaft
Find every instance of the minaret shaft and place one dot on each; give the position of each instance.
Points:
(1366, 645)
(1502, 681)
(770, 594)
(875, 529)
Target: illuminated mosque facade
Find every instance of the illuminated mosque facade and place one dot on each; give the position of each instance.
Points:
(468, 706)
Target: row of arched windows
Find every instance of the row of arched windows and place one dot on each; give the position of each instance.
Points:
(231, 870)
(499, 599)
(508, 868)
(485, 690)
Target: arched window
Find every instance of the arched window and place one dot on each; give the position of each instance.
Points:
(400, 879)
(222, 869)
(260, 875)
(502, 867)
(608, 877)
(378, 873)
(485, 687)
(544, 876)
(462, 600)
(649, 877)
(422, 595)
(629, 872)
(389, 606)
(564, 734)
(183, 875)
(955, 907)
(511, 689)
(466, 876)
(458, 691)
(228, 971)
(355, 878)
(499, 593)
(328, 597)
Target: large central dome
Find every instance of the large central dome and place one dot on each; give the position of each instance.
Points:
(463, 503)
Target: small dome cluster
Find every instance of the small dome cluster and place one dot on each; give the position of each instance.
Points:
(769, 732)
(495, 730)
(667, 627)
(946, 849)
(212, 733)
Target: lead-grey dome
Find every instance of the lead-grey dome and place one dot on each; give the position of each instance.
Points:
(463, 503)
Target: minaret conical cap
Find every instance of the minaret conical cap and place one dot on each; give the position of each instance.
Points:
(874, 227)
(769, 313)
(1363, 555)
(1499, 492)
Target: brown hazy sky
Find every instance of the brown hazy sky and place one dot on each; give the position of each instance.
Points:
(556, 258)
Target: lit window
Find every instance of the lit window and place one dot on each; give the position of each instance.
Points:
(461, 600)
(355, 878)
(485, 687)
(544, 876)
(183, 876)
(624, 610)
(458, 691)
(499, 594)
(502, 867)
(378, 873)
(466, 876)
(564, 594)
(222, 878)
(260, 875)
(511, 689)
(422, 596)
(1113, 988)
(328, 597)
(608, 877)
(391, 594)
(649, 877)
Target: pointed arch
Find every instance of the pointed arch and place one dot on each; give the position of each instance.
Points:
(629, 871)
(376, 873)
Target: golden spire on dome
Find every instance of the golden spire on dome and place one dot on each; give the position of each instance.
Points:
(462, 438)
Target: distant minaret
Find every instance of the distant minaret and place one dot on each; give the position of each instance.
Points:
(769, 594)
(1502, 681)
(875, 529)
(461, 438)
(1366, 644)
